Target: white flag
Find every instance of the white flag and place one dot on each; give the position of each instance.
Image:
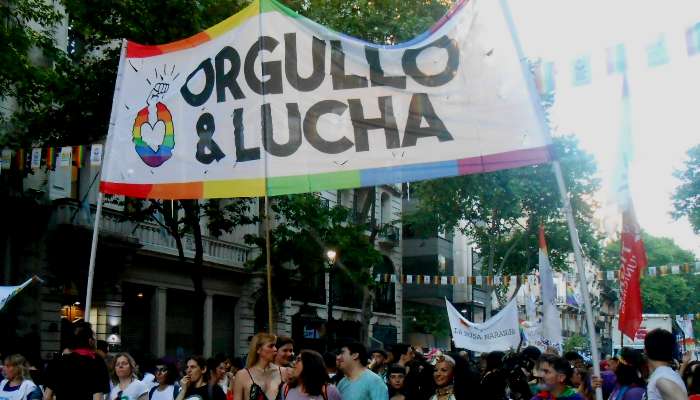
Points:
(500, 332)
(8, 292)
(551, 320)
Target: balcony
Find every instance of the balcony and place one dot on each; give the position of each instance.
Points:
(388, 235)
(151, 236)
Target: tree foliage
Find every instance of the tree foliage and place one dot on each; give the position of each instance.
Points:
(501, 211)
(304, 229)
(686, 198)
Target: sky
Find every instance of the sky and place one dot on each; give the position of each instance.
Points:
(664, 100)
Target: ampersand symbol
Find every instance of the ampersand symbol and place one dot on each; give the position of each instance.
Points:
(207, 149)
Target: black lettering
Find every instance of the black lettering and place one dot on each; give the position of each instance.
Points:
(361, 124)
(227, 80)
(294, 121)
(340, 80)
(270, 69)
(242, 154)
(196, 100)
(207, 149)
(376, 73)
(311, 130)
(420, 109)
(410, 63)
(318, 59)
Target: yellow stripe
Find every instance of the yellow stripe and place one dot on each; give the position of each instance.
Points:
(234, 188)
(233, 21)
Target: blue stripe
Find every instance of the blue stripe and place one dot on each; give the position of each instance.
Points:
(406, 173)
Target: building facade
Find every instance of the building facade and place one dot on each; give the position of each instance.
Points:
(143, 294)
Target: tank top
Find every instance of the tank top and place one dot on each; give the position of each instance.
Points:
(664, 372)
(16, 393)
(257, 392)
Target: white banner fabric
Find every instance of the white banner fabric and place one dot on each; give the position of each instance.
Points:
(500, 332)
(269, 102)
(8, 292)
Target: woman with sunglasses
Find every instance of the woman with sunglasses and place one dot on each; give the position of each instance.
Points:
(126, 384)
(166, 376)
(309, 379)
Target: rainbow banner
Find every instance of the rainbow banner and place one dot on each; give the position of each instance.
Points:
(269, 102)
(78, 155)
(50, 157)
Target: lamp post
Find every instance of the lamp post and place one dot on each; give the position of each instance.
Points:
(331, 255)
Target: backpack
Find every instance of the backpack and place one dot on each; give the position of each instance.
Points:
(176, 391)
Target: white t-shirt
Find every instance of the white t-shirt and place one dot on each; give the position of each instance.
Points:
(149, 380)
(664, 372)
(166, 394)
(132, 392)
(25, 388)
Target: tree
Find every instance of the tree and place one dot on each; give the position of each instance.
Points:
(686, 198)
(501, 211)
(304, 229)
(670, 294)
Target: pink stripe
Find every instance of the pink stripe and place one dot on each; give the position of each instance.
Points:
(511, 159)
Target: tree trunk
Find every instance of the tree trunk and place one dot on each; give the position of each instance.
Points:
(366, 316)
(197, 274)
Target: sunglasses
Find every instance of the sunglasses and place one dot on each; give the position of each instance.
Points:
(119, 395)
(162, 370)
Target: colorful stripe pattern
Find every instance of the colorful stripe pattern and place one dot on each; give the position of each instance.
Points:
(581, 71)
(692, 39)
(50, 158)
(336, 180)
(545, 78)
(657, 52)
(617, 59)
(78, 155)
(136, 50)
(165, 149)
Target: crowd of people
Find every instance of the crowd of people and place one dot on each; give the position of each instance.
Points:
(273, 371)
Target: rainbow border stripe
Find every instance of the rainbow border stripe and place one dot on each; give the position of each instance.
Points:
(136, 50)
(334, 180)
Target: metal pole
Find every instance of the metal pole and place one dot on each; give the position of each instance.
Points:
(269, 265)
(573, 233)
(93, 255)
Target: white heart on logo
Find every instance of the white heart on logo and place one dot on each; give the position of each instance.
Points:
(153, 134)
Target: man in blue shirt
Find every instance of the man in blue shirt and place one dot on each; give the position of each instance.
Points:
(359, 382)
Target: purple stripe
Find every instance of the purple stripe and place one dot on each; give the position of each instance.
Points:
(511, 159)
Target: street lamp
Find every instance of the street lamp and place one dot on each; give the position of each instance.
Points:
(331, 255)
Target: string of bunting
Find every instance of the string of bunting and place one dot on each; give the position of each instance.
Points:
(656, 52)
(490, 280)
(51, 157)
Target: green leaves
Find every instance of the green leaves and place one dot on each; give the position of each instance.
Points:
(686, 198)
(304, 228)
(502, 210)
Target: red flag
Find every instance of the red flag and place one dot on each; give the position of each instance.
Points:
(633, 259)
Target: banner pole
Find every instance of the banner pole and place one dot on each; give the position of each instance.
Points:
(573, 233)
(269, 265)
(93, 255)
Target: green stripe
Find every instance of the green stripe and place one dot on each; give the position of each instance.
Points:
(274, 5)
(312, 183)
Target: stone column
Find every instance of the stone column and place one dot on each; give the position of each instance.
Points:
(158, 321)
(208, 324)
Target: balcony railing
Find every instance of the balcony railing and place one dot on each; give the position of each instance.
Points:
(151, 236)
